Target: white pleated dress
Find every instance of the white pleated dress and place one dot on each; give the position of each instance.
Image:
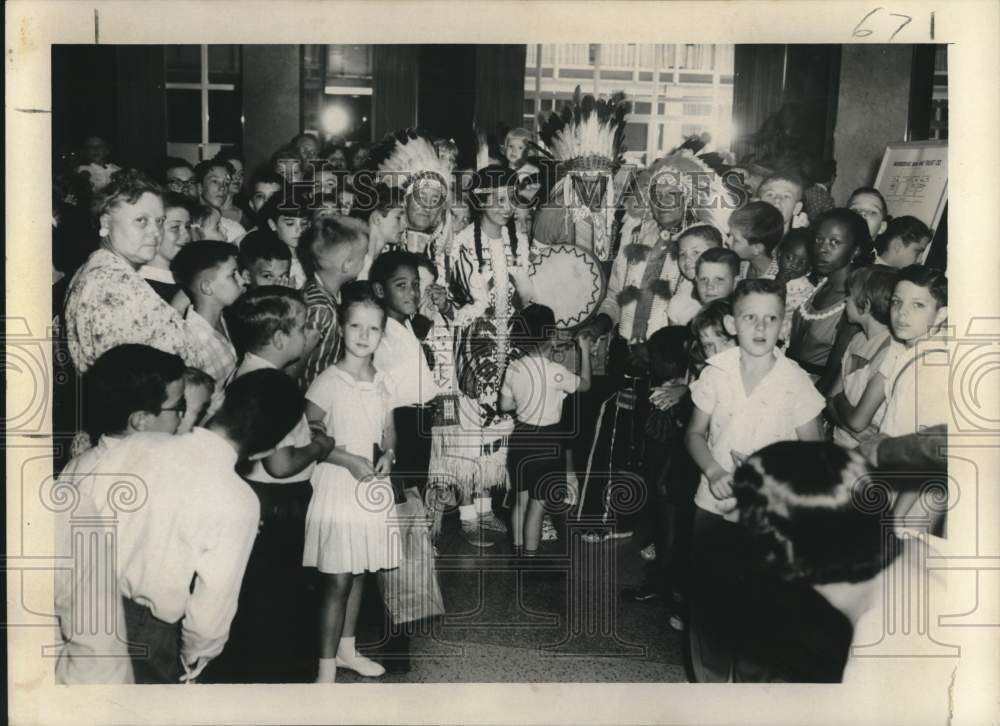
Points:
(348, 521)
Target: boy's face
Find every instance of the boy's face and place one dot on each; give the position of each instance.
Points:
(869, 207)
(689, 250)
(197, 398)
(267, 272)
(401, 292)
(289, 169)
(210, 228)
(293, 343)
(783, 196)
(713, 341)
(898, 254)
(95, 150)
(289, 229)
(326, 181)
(834, 247)
(327, 210)
(227, 285)
(913, 311)
(215, 187)
(171, 412)
(714, 281)
(389, 225)
(740, 245)
(756, 322)
(262, 191)
(181, 180)
(176, 232)
(793, 260)
(514, 150)
(236, 181)
(363, 329)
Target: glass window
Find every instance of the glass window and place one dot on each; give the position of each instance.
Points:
(183, 115)
(703, 103)
(225, 112)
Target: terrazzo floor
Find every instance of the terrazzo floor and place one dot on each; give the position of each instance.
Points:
(507, 624)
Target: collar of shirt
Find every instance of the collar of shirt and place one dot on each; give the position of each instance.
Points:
(217, 451)
(253, 362)
(728, 361)
(157, 274)
(322, 287)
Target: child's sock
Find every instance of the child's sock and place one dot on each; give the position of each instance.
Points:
(467, 512)
(349, 657)
(484, 506)
(327, 670)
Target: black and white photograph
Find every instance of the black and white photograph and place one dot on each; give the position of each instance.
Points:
(443, 366)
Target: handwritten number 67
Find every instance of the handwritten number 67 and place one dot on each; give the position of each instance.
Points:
(860, 32)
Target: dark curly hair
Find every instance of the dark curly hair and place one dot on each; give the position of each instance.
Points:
(812, 513)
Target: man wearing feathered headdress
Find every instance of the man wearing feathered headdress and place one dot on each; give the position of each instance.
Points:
(409, 161)
(587, 140)
(679, 191)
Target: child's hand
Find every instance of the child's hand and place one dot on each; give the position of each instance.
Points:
(721, 486)
(586, 342)
(384, 464)
(668, 395)
(360, 467)
(438, 297)
(326, 444)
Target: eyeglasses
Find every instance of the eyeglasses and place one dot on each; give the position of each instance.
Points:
(180, 408)
(179, 185)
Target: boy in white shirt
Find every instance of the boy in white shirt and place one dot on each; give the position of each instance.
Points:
(181, 552)
(130, 389)
(268, 325)
(916, 389)
(535, 387)
(747, 397)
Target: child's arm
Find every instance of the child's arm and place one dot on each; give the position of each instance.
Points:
(811, 430)
(696, 440)
(385, 462)
(858, 418)
(845, 331)
(290, 460)
(837, 391)
(359, 466)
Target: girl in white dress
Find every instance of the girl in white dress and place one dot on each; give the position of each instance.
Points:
(347, 524)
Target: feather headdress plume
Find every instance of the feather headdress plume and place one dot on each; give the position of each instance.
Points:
(403, 157)
(706, 196)
(588, 134)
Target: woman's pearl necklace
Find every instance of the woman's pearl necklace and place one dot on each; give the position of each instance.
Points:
(829, 312)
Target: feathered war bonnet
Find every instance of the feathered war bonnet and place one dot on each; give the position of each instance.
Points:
(706, 198)
(408, 160)
(586, 140)
(587, 135)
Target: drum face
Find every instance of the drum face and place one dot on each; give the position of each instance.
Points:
(571, 281)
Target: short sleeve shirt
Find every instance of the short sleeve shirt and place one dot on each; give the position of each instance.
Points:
(538, 387)
(742, 424)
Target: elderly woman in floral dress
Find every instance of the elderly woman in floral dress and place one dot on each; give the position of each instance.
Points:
(108, 303)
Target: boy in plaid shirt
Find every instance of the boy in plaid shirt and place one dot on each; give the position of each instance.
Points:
(208, 274)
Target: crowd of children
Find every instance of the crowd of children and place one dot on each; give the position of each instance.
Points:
(316, 326)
